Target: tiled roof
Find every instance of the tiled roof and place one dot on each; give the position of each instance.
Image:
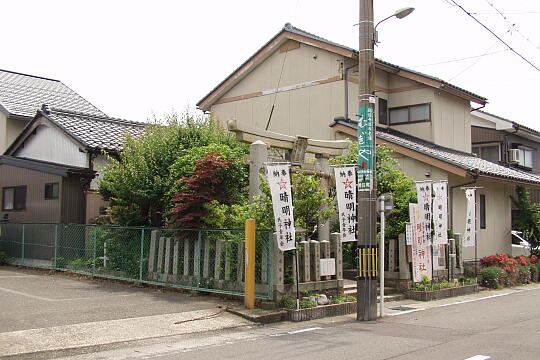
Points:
(98, 132)
(463, 160)
(23, 95)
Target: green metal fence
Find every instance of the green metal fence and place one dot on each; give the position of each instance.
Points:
(205, 259)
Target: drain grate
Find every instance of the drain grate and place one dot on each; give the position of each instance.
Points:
(403, 308)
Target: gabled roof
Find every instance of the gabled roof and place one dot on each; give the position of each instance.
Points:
(45, 166)
(507, 125)
(468, 162)
(22, 95)
(289, 32)
(91, 131)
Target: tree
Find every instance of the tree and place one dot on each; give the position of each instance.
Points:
(309, 202)
(141, 182)
(528, 220)
(389, 180)
(207, 184)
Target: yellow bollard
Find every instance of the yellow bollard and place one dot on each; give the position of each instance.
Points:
(249, 291)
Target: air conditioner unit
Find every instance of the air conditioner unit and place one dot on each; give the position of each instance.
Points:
(514, 156)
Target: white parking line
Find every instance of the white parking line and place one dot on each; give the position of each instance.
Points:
(479, 357)
(303, 330)
(58, 300)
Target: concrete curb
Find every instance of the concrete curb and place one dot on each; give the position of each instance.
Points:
(86, 337)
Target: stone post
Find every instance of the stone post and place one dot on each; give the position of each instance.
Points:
(337, 248)
(152, 256)
(186, 258)
(305, 262)
(451, 259)
(315, 249)
(160, 257)
(279, 269)
(206, 260)
(217, 260)
(168, 256)
(176, 256)
(392, 255)
(325, 254)
(258, 154)
(404, 272)
(459, 250)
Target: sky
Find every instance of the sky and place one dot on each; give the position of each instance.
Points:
(136, 59)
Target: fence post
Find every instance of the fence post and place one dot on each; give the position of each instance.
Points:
(55, 246)
(94, 244)
(249, 261)
(22, 246)
(270, 255)
(197, 259)
(142, 255)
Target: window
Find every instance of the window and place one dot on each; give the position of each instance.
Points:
(410, 114)
(383, 111)
(487, 152)
(14, 198)
(51, 191)
(525, 156)
(482, 211)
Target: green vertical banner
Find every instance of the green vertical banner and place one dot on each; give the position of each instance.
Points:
(365, 148)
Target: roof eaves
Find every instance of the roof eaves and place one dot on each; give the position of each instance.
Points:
(44, 166)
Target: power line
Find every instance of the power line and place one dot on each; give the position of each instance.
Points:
(474, 63)
(512, 25)
(461, 59)
(497, 36)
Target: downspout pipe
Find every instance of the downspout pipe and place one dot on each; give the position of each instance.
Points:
(506, 145)
(451, 200)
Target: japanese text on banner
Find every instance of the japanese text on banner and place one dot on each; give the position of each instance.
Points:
(280, 188)
(365, 148)
(346, 199)
(440, 213)
(423, 192)
(469, 235)
(421, 251)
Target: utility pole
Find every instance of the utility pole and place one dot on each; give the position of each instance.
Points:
(367, 189)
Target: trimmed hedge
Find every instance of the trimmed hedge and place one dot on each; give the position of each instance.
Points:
(493, 277)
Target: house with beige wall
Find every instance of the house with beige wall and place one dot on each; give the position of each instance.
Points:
(301, 84)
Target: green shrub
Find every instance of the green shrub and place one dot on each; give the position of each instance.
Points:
(523, 274)
(493, 277)
(287, 303)
(3, 258)
(60, 262)
(341, 298)
(306, 304)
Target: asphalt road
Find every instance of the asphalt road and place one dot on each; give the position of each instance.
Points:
(31, 299)
(500, 327)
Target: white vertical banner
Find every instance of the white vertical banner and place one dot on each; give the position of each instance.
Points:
(346, 199)
(421, 251)
(469, 235)
(280, 188)
(409, 231)
(440, 213)
(423, 193)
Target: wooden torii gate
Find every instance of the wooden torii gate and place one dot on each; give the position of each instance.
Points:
(328, 245)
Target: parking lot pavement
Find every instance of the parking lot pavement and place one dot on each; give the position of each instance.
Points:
(33, 299)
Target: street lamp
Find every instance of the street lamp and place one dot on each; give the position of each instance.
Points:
(367, 183)
(400, 14)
